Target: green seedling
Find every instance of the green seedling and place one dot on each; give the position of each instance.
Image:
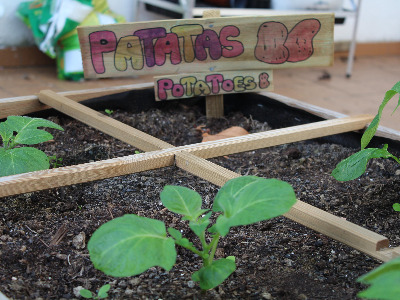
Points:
(130, 245)
(385, 280)
(109, 111)
(17, 131)
(55, 162)
(356, 165)
(100, 295)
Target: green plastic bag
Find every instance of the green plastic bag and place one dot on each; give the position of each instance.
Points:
(53, 24)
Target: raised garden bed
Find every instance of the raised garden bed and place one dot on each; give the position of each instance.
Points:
(43, 234)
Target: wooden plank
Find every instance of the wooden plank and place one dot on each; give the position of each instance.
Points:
(121, 131)
(203, 168)
(28, 104)
(327, 113)
(28, 182)
(303, 213)
(24, 57)
(46, 179)
(276, 137)
(220, 44)
(169, 87)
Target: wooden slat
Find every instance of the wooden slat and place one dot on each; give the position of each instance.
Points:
(121, 131)
(28, 182)
(276, 137)
(303, 213)
(327, 113)
(24, 105)
(46, 179)
(106, 55)
(203, 168)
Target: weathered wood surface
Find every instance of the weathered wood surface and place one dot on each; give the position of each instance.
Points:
(169, 87)
(23, 105)
(214, 103)
(40, 180)
(209, 44)
(28, 104)
(119, 130)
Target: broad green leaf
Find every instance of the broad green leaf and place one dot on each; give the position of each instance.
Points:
(384, 281)
(396, 206)
(32, 136)
(5, 132)
(177, 235)
(355, 165)
(215, 273)
(86, 293)
(129, 245)
(370, 131)
(22, 160)
(182, 200)
(249, 199)
(27, 132)
(199, 226)
(103, 291)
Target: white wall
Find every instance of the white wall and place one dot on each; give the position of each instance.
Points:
(13, 31)
(379, 22)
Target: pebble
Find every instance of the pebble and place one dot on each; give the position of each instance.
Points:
(79, 241)
(266, 295)
(191, 284)
(135, 281)
(76, 291)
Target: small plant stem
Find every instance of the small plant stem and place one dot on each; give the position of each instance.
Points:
(213, 247)
(194, 250)
(206, 247)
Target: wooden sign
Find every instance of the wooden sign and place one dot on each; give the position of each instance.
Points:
(207, 45)
(208, 84)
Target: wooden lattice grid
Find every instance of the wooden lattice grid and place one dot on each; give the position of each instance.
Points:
(191, 158)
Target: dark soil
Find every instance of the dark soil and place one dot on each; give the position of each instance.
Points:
(43, 235)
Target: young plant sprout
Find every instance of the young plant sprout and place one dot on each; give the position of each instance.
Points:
(16, 131)
(100, 295)
(131, 244)
(385, 280)
(355, 165)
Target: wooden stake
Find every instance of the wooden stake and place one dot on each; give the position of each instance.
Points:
(214, 103)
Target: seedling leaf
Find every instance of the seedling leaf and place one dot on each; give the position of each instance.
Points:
(21, 160)
(384, 281)
(370, 131)
(6, 132)
(200, 226)
(86, 293)
(249, 199)
(177, 235)
(355, 165)
(182, 200)
(129, 245)
(27, 132)
(396, 206)
(215, 273)
(103, 291)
